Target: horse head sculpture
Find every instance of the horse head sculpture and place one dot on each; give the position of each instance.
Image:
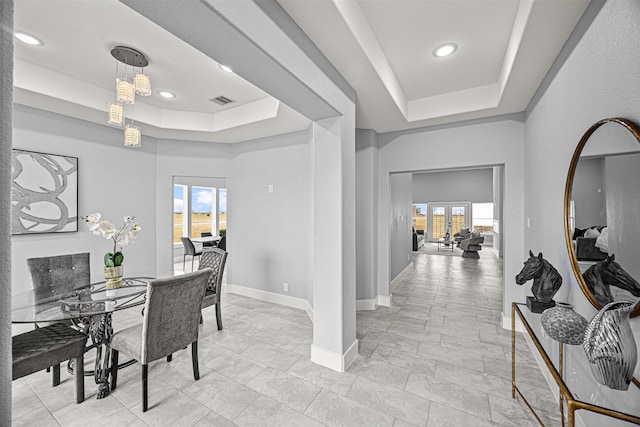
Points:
(607, 273)
(546, 279)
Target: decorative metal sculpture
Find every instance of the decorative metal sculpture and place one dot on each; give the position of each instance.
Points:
(610, 346)
(546, 282)
(607, 273)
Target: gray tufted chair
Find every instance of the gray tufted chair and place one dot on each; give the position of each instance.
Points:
(215, 259)
(57, 275)
(170, 324)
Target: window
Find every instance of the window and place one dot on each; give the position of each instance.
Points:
(198, 209)
(222, 211)
(482, 218)
(202, 205)
(179, 221)
(420, 216)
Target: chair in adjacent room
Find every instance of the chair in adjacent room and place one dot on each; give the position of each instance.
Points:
(49, 346)
(170, 324)
(215, 259)
(190, 249)
(207, 244)
(222, 244)
(57, 275)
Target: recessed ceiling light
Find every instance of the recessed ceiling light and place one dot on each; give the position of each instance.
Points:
(166, 94)
(226, 68)
(28, 39)
(445, 49)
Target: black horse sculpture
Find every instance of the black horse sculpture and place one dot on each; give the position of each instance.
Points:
(546, 279)
(607, 273)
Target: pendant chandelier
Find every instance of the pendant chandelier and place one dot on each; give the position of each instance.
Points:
(130, 82)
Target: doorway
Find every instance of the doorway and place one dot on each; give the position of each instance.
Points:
(445, 219)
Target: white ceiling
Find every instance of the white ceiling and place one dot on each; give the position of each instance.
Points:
(383, 48)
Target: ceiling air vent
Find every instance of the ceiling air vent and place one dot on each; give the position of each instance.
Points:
(222, 100)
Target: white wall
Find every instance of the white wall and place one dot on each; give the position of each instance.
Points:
(598, 80)
(484, 143)
(473, 185)
(112, 179)
(269, 234)
(400, 216)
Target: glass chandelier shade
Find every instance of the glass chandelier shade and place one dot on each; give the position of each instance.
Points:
(125, 92)
(132, 136)
(116, 114)
(142, 84)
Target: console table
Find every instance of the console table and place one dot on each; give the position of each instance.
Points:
(556, 369)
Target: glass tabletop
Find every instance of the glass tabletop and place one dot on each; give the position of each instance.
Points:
(31, 306)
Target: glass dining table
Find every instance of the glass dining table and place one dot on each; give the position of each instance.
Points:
(90, 309)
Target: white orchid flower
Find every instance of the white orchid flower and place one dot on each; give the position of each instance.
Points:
(93, 218)
(108, 229)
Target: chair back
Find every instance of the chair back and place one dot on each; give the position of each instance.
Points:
(52, 275)
(189, 247)
(215, 259)
(172, 314)
(222, 244)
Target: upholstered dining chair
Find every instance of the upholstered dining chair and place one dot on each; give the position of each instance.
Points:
(55, 275)
(190, 249)
(59, 274)
(170, 324)
(215, 259)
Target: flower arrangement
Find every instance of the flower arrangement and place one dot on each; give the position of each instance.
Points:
(122, 236)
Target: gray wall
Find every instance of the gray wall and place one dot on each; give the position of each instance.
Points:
(587, 88)
(270, 233)
(589, 192)
(6, 97)
(498, 207)
(474, 185)
(400, 221)
(366, 213)
(622, 175)
(112, 179)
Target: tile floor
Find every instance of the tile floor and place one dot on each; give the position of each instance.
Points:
(436, 357)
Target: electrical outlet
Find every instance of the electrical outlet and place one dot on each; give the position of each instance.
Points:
(270, 188)
(286, 287)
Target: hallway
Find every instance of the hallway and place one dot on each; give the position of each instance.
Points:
(442, 340)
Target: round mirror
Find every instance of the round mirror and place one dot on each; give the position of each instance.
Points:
(602, 212)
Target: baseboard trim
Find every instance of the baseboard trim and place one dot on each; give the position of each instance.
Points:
(399, 276)
(506, 323)
(366, 304)
(384, 300)
(335, 361)
(286, 300)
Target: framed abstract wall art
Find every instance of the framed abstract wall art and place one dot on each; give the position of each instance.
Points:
(44, 193)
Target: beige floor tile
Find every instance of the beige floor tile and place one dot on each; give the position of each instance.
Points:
(397, 403)
(380, 371)
(323, 377)
(221, 394)
(265, 412)
(332, 409)
(285, 388)
(445, 416)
